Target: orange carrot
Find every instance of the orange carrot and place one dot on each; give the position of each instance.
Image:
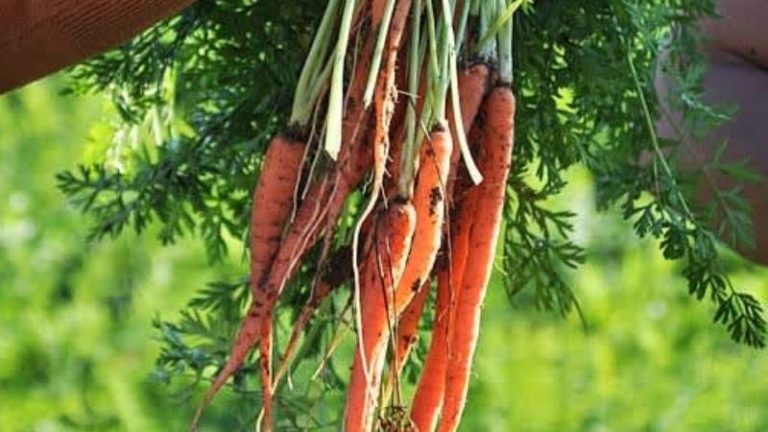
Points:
(384, 96)
(355, 112)
(465, 198)
(250, 328)
(429, 208)
(349, 170)
(496, 159)
(345, 178)
(300, 237)
(380, 272)
(273, 201)
(429, 392)
(326, 197)
(272, 205)
(361, 395)
(435, 155)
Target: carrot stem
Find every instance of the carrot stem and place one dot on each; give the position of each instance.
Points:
(306, 95)
(440, 84)
(336, 98)
(505, 47)
(461, 29)
(469, 162)
(405, 183)
(434, 61)
(499, 23)
(411, 151)
(486, 46)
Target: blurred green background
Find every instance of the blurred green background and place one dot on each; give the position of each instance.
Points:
(77, 346)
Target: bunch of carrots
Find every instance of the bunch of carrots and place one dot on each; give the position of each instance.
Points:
(409, 101)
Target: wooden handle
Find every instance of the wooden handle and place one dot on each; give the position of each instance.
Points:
(38, 37)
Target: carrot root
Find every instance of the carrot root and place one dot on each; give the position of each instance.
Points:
(496, 159)
(381, 270)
